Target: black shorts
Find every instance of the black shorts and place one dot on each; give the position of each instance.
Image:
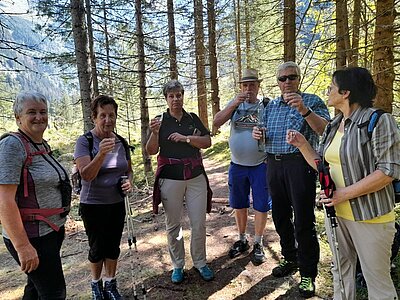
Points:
(104, 225)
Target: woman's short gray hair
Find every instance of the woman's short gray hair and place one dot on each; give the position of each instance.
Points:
(18, 105)
(286, 65)
(172, 85)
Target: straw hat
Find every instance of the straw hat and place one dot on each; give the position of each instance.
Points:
(250, 75)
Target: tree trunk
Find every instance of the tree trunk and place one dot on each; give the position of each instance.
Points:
(340, 43)
(247, 30)
(82, 58)
(366, 58)
(236, 8)
(173, 69)
(144, 108)
(213, 60)
(110, 88)
(383, 54)
(289, 30)
(93, 73)
(356, 33)
(200, 62)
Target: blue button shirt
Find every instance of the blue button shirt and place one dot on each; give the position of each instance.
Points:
(280, 117)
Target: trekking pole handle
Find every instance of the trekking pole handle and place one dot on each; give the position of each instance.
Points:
(123, 179)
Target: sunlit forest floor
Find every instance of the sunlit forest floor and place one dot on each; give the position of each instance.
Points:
(150, 265)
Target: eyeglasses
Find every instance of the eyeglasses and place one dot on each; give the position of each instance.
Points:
(328, 90)
(286, 77)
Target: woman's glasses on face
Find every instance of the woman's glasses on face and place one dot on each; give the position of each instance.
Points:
(328, 90)
(286, 77)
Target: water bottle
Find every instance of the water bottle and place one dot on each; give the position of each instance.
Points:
(262, 126)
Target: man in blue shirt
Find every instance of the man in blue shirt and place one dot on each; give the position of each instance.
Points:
(291, 181)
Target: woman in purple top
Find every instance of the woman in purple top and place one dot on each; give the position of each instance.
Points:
(180, 176)
(101, 199)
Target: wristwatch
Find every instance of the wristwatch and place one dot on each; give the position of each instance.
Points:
(307, 113)
(187, 140)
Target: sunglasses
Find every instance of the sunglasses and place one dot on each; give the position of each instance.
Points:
(286, 77)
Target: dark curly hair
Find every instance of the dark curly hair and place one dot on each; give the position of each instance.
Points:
(359, 82)
(101, 101)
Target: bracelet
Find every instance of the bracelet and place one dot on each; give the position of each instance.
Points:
(307, 113)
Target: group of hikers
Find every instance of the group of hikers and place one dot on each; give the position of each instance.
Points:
(296, 136)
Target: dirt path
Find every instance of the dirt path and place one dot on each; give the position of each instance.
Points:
(235, 279)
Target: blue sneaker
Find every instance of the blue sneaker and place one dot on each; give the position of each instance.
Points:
(206, 273)
(177, 275)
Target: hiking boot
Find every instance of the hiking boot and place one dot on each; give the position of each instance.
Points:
(238, 248)
(284, 268)
(258, 254)
(307, 287)
(110, 290)
(206, 273)
(177, 275)
(97, 290)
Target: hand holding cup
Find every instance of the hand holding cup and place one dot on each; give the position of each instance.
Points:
(107, 145)
(155, 124)
(257, 133)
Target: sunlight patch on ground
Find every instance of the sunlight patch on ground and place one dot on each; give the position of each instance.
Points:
(12, 294)
(243, 283)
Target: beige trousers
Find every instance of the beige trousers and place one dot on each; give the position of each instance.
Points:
(194, 193)
(372, 243)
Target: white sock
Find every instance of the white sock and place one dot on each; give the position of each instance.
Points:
(108, 279)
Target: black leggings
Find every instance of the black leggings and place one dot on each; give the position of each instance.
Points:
(47, 281)
(104, 225)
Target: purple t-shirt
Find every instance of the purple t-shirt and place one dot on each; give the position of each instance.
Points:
(104, 188)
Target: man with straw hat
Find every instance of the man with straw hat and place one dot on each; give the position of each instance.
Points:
(248, 169)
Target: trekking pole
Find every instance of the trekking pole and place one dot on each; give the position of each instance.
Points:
(331, 215)
(328, 186)
(132, 241)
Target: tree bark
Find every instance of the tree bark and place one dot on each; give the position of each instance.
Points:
(173, 68)
(92, 55)
(383, 54)
(356, 33)
(82, 59)
(343, 48)
(110, 88)
(213, 60)
(289, 30)
(236, 8)
(144, 108)
(200, 62)
(247, 31)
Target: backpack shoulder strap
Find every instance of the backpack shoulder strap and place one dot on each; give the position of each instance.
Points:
(125, 144)
(89, 136)
(191, 115)
(265, 101)
(29, 156)
(372, 121)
